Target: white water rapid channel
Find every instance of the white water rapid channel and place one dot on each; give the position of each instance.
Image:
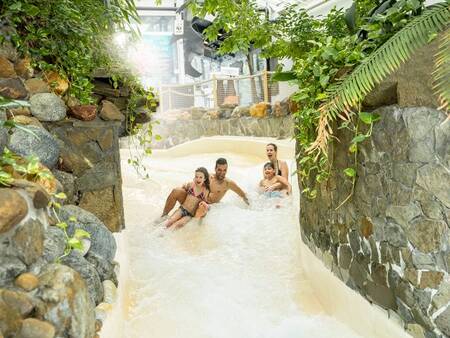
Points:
(237, 275)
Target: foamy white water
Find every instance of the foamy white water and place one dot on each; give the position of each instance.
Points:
(237, 275)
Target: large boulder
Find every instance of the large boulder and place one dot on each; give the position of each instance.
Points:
(67, 304)
(48, 107)
(77, 262)
(102, 240)
(36, 141)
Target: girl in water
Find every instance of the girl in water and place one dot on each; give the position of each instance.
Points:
(197, 191)
(273, 185)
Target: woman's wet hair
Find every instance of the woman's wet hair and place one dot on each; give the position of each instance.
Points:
(221, 161)
(269, 164)
(205, 173)
(273, 145)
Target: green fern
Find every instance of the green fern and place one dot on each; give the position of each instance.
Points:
(442, 71)
(386, 59)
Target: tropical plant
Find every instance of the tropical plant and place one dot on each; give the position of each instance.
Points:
(382, 62)
(337, 60)
(67, 36)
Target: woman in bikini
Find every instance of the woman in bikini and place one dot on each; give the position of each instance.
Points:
(197, 191)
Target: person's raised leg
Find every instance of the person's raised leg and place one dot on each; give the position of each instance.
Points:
(177, 194)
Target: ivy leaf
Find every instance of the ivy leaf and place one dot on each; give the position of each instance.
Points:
(353, 148)
(61, 196)
(72, 219)
(350, 172)
(359, 138)
(75, 243)
(62, 225)
(80, 233)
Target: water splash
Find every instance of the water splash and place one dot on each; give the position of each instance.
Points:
(237, 274)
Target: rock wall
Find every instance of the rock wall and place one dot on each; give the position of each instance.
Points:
(78, 142)
(89, 167)
(40, 298)
(175, 132)
(390, 242)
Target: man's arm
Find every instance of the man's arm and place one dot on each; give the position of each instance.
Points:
(234, 187)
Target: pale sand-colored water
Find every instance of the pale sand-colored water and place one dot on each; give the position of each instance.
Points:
(237, 275)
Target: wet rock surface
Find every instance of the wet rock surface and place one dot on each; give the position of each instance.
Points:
(394, 247)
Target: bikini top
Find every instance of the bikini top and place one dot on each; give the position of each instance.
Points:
(279, 170)
(201, 196)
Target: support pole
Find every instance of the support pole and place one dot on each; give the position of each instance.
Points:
(266, 86)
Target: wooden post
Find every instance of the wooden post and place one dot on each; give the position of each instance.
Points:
(214, 79)
(265, 86)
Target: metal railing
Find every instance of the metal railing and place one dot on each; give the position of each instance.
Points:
(218, 92)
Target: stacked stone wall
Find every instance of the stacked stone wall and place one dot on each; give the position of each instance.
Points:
(390, 242)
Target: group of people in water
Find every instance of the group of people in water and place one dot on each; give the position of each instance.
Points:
(196, 197)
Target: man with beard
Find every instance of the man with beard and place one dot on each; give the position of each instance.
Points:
(219, 185)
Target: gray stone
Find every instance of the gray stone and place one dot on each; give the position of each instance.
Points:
(442, 137)
(403, 214)
(443, 321)
(99, 177)
(395, 235)
(41, 144)
(404, 311)
(3, 138)
(442, 297)
(421, 318)
(435, 179)
(104, 268)
(354, 241)
(77, 262)
(10, 268)
(28, 241)
(48, 107)
(68, 306)
(54, 244)
(427, 235)
(405, 173)
(68, 182)
(423, 261)
(423, 299)
(102, 241)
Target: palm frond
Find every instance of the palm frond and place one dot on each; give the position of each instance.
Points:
(384, 61)
(442, 71)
